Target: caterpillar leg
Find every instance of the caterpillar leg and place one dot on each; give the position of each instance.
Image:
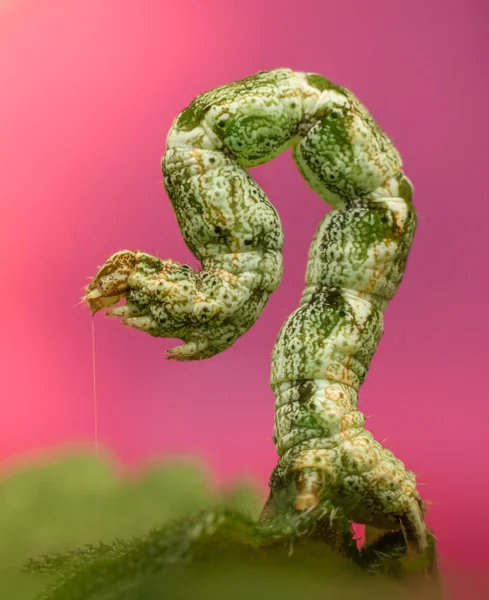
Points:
(383, 492)
(370, 485)
(310, 510)
(294, 508)
(409, 523)
(382, 553)
(389, 553)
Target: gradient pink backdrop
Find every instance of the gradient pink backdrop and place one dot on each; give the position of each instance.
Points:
(88, 92)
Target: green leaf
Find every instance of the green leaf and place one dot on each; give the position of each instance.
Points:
(58, 504)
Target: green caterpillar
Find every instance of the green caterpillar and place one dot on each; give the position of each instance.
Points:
(356, 262)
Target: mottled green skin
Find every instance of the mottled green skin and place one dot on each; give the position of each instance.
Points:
(355, 265)
(323, 352)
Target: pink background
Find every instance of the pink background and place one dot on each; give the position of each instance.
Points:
(89, 89)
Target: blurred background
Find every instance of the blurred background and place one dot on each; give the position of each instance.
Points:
(89, 90)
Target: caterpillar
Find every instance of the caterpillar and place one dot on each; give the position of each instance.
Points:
(327, 459)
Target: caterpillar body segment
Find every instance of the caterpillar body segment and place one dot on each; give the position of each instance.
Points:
(328, 461)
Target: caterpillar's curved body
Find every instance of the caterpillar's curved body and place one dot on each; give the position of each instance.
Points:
(355, 265)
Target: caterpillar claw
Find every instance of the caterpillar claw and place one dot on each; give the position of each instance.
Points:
(126, 310)
(145, 323)
(188, 351)
(414, 527)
